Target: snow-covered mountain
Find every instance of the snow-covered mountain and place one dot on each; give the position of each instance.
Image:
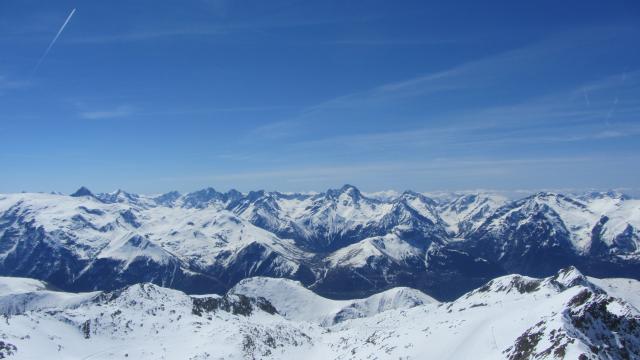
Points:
(295, 302)
(339, 217)
(597, 233)
(341, 243)
(567, 315)
(81, 242)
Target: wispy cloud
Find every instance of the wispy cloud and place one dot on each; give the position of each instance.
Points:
(537, 124)
(210, 110)
(142, 35)
(117, 112)
(479, 75)
(390, 42)
(550, 120)
(274, 131)
(7, 84)
(464, 166)
(594, 110)
(201, 30)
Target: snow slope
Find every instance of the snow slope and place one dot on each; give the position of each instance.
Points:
(296, 302)
(627, 289)
(512, 317)
(16, 285)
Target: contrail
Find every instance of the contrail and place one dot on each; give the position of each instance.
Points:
(586, 97)
(53, 41)
(611, 111)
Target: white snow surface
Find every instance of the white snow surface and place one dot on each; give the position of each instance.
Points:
(94, 229)
(18, 295)
(149, 322)
(464, 213)
(390, 246)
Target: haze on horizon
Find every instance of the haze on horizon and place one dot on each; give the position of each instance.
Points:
(299, 96)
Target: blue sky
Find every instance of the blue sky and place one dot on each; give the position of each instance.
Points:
(152, 96)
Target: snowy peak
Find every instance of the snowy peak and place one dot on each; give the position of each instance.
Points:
(466, 212)
(139, 295)
(296, 302)
(400, 298)
(207, 197)
(346, 191)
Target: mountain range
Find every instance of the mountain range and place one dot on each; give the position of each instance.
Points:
(341, 243)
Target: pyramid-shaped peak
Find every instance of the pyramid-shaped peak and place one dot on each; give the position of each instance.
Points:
(82, 191)
(347, 190)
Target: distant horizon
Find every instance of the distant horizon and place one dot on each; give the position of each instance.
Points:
(509, 193)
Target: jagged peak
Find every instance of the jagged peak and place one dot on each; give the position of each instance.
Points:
(139, 291)
(167, 199)
(564, 279)
(206, 191)
(410, 194)
(126, 193)
(118, 196)
(348, 188)
(255, 194)
(569, 277)
(544, 195)
(201, 198)
(508, 284)
(234, 193)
